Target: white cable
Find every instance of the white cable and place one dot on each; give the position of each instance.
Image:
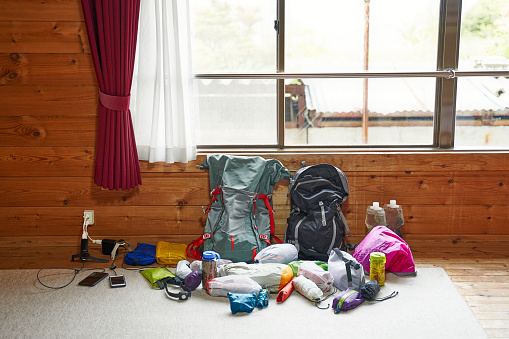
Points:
(85, 231)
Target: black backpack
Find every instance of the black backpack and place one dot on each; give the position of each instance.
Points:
(316, 224)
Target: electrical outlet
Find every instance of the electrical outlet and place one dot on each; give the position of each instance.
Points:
(90, 214)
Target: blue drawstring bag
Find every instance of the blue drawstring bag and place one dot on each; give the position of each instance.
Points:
(143, 254)
(242, 302)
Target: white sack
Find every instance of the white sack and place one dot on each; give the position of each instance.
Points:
(307, 288)
(277, 253)
(322, 278)
(221, 286)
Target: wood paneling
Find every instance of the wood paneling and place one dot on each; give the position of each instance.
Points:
(65, 102)
(37, 10)
(38, 131)
(43, 37)
(46, 161)
(47, 69)
(47, 144)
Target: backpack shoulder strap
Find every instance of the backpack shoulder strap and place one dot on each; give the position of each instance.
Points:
(266, 199)
(192, 248)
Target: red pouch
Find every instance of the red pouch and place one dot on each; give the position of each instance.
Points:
(285, 292)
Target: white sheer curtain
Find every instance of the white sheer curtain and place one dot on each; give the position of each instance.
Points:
(162, 96)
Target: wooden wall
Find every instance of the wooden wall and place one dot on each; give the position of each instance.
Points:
(48, 100)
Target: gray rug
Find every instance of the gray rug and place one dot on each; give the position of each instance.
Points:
(428, 306)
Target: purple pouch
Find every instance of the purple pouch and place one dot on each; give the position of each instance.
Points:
(193, 279)
(347, 300)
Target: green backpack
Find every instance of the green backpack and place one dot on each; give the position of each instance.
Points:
(240, 219)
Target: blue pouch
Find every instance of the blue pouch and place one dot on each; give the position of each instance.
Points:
(242, 302)
(143, 254)
(263, 299)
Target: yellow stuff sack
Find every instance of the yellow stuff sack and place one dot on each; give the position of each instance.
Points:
(168, 253)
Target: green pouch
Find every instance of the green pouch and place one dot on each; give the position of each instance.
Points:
(153, 275)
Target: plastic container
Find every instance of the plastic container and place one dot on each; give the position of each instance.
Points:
(394, 217)
(375, 216)
(377, 267)
(209, 266)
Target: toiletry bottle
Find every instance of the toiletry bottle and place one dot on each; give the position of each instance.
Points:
(394, 217)
(375, 216)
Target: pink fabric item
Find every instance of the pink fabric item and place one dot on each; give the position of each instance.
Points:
(399, 259)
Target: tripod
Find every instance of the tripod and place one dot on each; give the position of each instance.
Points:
(84, 255)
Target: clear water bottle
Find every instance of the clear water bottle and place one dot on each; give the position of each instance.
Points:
(209, 266)
(394, 217)
(375, 216)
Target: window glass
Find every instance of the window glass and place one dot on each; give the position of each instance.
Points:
(329, 35)
(329, 111)
(482, 114)
(233, 36)
(236, 112)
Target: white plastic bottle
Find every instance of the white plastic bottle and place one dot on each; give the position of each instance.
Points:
(375, 216)
(394, 217)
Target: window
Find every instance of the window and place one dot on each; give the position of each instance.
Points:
(482, 106)
(360, 73)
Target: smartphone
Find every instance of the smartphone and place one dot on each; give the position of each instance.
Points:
(93, 279)
(117, 281)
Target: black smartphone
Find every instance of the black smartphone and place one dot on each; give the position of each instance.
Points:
(117, 281)
(93, 279)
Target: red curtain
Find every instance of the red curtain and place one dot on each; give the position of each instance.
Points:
(112, 28)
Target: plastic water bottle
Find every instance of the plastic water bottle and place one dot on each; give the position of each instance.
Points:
(209, 266)
(375, 216)
(394, 217)
(377, 267)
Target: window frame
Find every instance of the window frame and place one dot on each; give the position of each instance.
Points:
(447, 73)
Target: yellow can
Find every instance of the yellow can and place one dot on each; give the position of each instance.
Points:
(377, 267)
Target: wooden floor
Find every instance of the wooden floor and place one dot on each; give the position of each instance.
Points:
(478, 267)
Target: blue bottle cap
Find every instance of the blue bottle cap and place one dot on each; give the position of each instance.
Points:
(210, 256)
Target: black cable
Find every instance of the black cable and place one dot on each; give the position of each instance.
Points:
(76, 271)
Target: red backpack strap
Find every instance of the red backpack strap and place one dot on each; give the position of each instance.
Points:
(215, 192)
(266, 199)
(279, 241)
(193, 250)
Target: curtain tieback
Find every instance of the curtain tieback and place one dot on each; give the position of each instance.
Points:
(114, 102)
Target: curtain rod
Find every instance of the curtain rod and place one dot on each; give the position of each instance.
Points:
(448, 73)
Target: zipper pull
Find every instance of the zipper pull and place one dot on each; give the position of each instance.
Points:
(324, 223)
